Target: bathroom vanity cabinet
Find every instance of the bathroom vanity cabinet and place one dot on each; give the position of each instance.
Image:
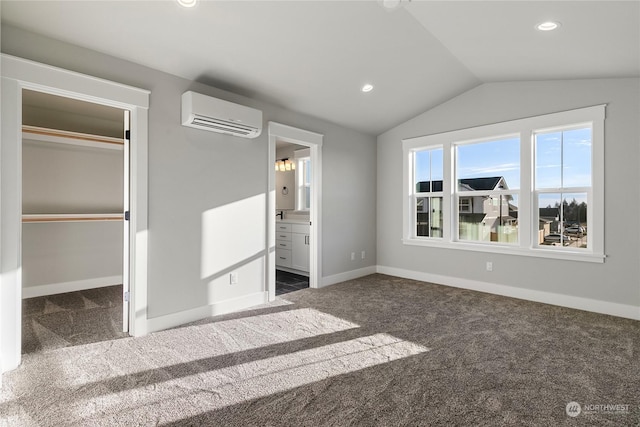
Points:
(292, 245)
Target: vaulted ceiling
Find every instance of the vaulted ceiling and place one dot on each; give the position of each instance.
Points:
(314, 56)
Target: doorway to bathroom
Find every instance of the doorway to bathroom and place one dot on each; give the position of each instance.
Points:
(294, 210)
(293, 179)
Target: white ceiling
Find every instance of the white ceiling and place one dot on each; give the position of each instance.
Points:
(314, 56)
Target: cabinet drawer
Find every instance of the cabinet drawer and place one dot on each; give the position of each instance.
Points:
(283, 235)
(283, 244)
(300, 228)
(282, 227)
(283, 257)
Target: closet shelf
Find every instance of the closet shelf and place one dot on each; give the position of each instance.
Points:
(71, 217)
(36, 133)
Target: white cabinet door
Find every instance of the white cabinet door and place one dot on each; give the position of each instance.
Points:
(283, 257)
(300, 251)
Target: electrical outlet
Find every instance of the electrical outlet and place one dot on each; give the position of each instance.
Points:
(362, 255)
(233, 278)
(353, 256)
(489, 266)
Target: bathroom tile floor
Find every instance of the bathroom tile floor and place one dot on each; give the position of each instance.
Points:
(288, 282)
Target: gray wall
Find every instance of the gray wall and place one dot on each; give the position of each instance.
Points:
(614, 281)
(70, 179)
(70, 251)
(192, 172)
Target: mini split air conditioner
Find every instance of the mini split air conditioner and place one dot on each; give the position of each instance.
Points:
(216, 115)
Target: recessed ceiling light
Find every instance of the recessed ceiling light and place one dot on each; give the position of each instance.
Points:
(547, 26)
(187, 3)
(367, 88)
(391, 4)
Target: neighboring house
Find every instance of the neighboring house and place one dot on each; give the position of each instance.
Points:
(486, 212)
(551, 217)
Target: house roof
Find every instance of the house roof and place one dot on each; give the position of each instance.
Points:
(466, 184)
(425, 186)
(481, 184)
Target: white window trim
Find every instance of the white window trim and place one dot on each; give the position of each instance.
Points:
(525, 128)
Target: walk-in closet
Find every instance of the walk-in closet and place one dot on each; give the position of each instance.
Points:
(73, 197)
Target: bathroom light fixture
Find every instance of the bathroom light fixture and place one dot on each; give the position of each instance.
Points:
(285, 165)
(367, 87)
(187, 3)
(547, 26)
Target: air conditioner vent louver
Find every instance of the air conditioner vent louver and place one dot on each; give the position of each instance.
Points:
(222, 126)
(216, 115)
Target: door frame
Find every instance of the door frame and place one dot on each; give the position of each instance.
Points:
(278, 131)
(19, 74)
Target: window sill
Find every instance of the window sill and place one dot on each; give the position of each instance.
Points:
(564, 254)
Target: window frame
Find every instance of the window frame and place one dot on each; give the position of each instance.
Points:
(459, 194)
(526, 128)
(302, 185)
(425, 194)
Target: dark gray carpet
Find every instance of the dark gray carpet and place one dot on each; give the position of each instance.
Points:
(72, 318)
(376, 351)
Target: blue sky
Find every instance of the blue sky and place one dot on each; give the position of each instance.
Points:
(493, 158)
(569, 149)
(563, 159)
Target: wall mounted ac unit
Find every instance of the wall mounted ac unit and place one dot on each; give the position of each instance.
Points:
(216, 115)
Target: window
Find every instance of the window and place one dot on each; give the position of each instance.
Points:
(427, 200)
(528, 187)
(465, 205)
(563, 186)
(488, 176)
(303, 184)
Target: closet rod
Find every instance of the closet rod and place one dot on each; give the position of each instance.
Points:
(35, 130)
(71, 217)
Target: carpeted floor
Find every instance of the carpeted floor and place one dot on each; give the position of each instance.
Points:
(73, 318)
(375, 351)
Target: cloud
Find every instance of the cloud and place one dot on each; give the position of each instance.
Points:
(475, 170)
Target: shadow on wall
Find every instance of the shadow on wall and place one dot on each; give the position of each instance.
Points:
(233, 241)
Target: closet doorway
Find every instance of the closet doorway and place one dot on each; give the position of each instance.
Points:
(75, 200)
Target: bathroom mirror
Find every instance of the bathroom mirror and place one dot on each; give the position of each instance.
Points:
(286, 161)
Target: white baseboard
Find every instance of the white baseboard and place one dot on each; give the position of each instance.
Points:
(77, 285)
(348, 275)
(223, 307)
(586, 304)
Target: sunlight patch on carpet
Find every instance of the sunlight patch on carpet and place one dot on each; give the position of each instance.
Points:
(216, 389)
